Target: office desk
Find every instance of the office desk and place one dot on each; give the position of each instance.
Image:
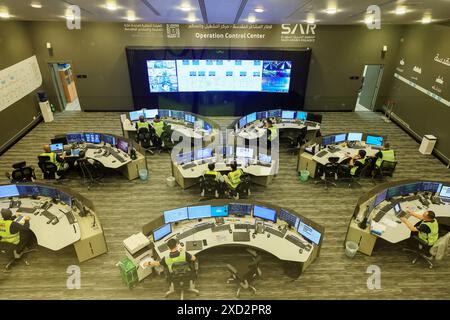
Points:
(344, 153)
(86, 236)
(395, 230)
(188, 177)
(276, 244)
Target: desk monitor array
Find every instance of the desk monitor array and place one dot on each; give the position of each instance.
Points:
(279, 231)
(58, 217)
(356, 139)
(379, 212)
(280, 115)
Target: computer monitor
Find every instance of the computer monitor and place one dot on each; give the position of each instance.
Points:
(175, 215)
(189, 118)
(289, 218)
(203, 153)
(48, 192)
(251, 117)
(165, 113)
(240, 209)
(374, 140)
(75, 137)
(62, 140)
(199, 212)
(242, 122)
(326, 140)
(56, 147)
(134, 115)
(288, 114)
(30, 190)
(262, 157)
(219, 211)
(9, 190)
(301, 115)
(314, 117)
(274, 113)
(122, 145)
(340, 138)
(150, 113)
(430, 186)
(261, 115)
(397, 208)
(309, 232)
(178, 114)
(185, 157)
(207, 126)
(411, 188)
(394, 192)
(65, 197)
(380, 197)
(354, 136)
(265, 213)
(445, 192)
(109, 140)
(92, 137)
(244, 152)
(161, 232)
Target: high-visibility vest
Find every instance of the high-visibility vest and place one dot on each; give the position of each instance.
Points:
(386, 155)
(142, 125)
(52, 157)
(235, 178)
(170, 261)
(273, 133)
(353, 170)
(433, 236)
(159, 127)
(213, 173)
(5, 233)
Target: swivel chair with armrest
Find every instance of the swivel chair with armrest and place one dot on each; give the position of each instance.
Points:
(209, 186)
(330, 173)
(11, 251)
(145, 137)
(430, 254)
(166, 138)
(386, 168)
(21, 173)
(242, 191)
(181, 279)
(245, 279)
(297, 141)
(361, 172)
(49, 169)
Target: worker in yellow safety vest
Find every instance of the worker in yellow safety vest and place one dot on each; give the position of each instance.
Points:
(233, 179)
(13, 232)
(142, 123)
(387, 154)
(175, 255)
(427, 228)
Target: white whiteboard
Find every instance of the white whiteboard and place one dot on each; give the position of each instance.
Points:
(19, 80)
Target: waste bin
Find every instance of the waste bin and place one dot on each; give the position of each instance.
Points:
(128, 272)
(304, 174)
(351, 248)
(171, 181)
(143, 174)
(427, 145)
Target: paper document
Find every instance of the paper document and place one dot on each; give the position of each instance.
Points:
(144, 261)
(390, 223)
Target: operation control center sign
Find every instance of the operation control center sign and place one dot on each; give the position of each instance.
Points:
(231, 31)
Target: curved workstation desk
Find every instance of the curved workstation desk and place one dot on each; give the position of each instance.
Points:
(188, 167)
(111, 151)
(342, 145)
(251, 126)
(184, 123)
(59, 217)
(279, 231)
(377, 214)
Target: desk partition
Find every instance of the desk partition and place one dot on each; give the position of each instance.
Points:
(59, 217)
(279, 231)
(377, 213)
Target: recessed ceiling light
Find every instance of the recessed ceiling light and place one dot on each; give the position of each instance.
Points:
(251, 19)
(259, 10)
(111, 5)
(400, 10)
(426, 19)
(36, 5)
(310, 20)
(5, 14)
(369, 20)
(331, 10)
(131, 15)
(185, 7)
(192, 19)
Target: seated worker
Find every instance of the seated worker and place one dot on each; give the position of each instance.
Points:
(427, 228)
(233, 179)
(174, 256)
(158, 125)
(55, 158)
(211, 171)
(386, 154)
(142, 123)
(357, 162)
(272, 133)
(14, 232)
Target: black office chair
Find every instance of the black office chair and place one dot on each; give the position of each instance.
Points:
(329, 173)
(10, 250)
(145, 137)
(181, 279)
(386, 168)
(430, 254)
(21, 173)
(296, 142)
(209, 186)
(166, 138)
(49, 169)
(242, 191)
(90, 172)
(246, 279)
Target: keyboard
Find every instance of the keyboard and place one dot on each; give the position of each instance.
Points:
(116, 155)
(223, 227)
(241, 236)
(387, 207)
(297, 242)
(189, 165)
(163, 247)
(322, 153)
(70, 217)
(380, 214)
(186, 234)
(244, 226)
(275, 232)
(264, 164)
(401, 214)
(48, 215)
(334, 150)
(26, 210)
(92, 146)
(202, 227)
(310, 124)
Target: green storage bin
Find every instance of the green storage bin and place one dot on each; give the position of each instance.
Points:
(128, 271)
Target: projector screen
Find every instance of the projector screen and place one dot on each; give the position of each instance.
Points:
(218, 75)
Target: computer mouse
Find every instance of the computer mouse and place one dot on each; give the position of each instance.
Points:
(268, 235)
(300, 251)
(194, 244)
